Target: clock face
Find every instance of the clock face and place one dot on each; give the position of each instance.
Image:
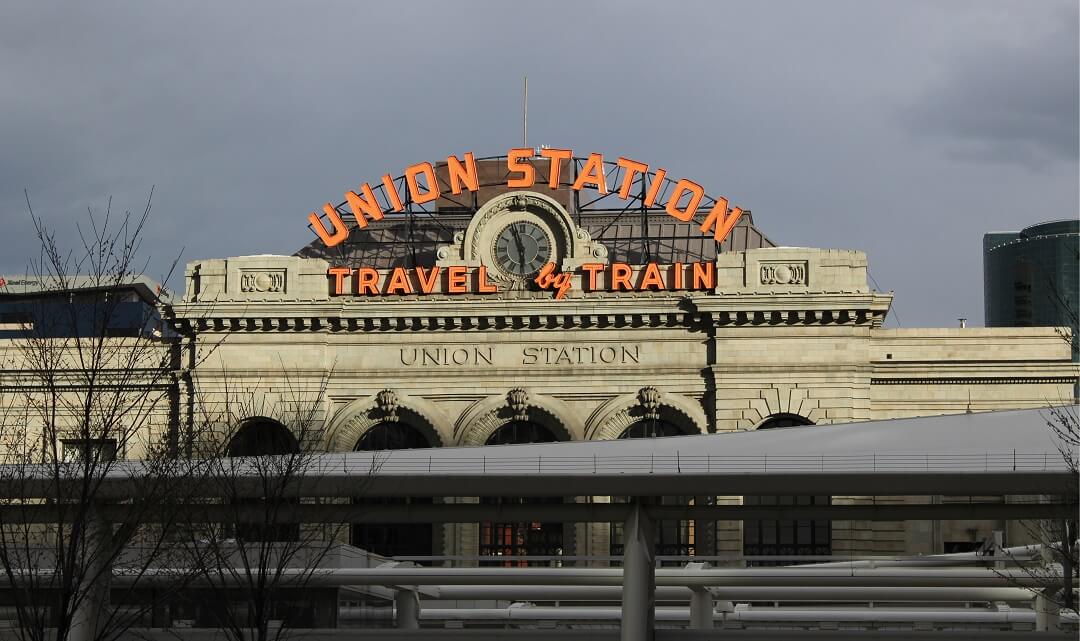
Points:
(522, 248)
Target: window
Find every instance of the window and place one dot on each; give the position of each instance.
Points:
(772, 537)
(97, 450)
(532, 538)
(671, 538)
(392, 539)
(264, 437)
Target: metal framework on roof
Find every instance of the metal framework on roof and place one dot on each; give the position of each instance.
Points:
(632, 231)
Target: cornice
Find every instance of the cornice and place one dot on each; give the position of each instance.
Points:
(612, 310)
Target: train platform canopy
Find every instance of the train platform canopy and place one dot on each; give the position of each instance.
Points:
(1006, 452)
(980, 454)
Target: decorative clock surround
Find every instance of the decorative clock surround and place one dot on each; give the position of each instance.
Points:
(514, 231)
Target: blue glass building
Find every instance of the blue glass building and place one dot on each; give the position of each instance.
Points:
(1030, 277)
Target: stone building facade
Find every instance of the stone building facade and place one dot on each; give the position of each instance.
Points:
(468, 351)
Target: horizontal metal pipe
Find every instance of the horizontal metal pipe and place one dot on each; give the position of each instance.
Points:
(815, 593)
(522, 612)
(548, 512)
(792, 576)
(1015, 554)
(787, 577)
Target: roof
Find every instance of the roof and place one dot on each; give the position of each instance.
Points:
(404, 241)
(32, 286)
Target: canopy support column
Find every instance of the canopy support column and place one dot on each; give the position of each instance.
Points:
(406, 609)
(639, 577)
(701, 603)
(91, 612)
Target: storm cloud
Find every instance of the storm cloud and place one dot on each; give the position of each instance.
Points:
(1009, 97)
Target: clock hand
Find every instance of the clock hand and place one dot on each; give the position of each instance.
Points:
(520, 247)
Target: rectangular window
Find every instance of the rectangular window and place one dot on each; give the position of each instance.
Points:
(74, 450)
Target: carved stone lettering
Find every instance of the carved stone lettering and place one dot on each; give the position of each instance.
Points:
(528, 355)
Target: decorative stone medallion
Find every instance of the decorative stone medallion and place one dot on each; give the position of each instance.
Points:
(787, 273)
(262, 281)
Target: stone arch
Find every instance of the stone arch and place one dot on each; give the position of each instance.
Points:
(542, 205)
(609, 420)
(483, 417)
(351, 422)
(781, 398)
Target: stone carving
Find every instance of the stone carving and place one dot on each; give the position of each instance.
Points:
(262, 281)
(649, 399)
(387, 401)
(783, 273)
(518, 400)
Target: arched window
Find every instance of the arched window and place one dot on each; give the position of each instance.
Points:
(532, 538)
(520, 432)
(647, 428)
(672, 537)
(392, 436)
(393, 539)
(264, 437)
(783, 537)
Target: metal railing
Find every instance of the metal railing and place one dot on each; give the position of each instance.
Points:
(695, 464)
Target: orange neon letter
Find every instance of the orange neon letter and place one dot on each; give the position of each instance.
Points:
(514, 162)
(425, 168)
(696, 194)
(654, 187)
(366, 205)
(620, 277)
(593, 270)
(399, 282)
(593, 173)
(679, 274)
(367, 281)
(391, 192)
(456, 276)
(339, 233)
(460, 174)
(721, 219)
(704, 276)
(427, 281)
(555, 160)
(651, 278)
(632, 168)
(339, 274)
(482, 284)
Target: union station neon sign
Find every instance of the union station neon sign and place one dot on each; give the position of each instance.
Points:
(421, 185)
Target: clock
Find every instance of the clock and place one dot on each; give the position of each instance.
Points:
(522, 248)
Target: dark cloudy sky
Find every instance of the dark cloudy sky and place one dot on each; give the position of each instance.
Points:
(903, 129)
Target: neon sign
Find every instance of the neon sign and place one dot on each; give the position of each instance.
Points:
(459, 279)
(422, 187)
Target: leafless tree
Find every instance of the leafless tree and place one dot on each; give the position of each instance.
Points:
(1057, 567)
(256, 557)
(86, 384)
